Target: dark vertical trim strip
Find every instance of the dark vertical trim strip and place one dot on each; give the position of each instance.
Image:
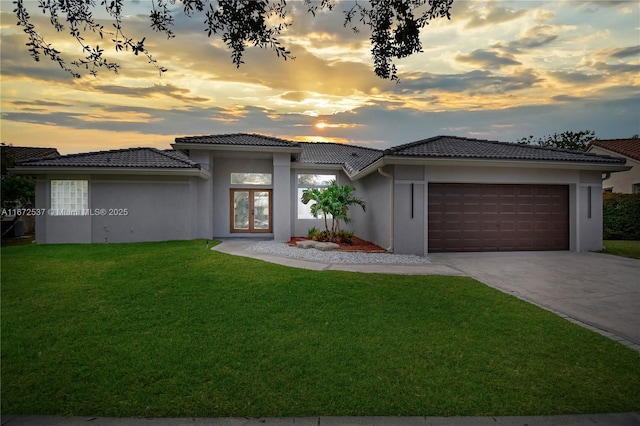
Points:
(589, 201)
(412, 201)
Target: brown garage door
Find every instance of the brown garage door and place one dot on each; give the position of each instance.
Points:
(475, 217)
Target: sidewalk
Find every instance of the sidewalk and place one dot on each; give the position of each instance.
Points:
(621, 419)
(243, 247)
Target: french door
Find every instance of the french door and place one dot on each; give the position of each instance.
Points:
(250, 210)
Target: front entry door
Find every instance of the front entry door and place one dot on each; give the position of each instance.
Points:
(250, 210)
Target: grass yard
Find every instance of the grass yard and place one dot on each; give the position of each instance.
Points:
(175, 330)
(622, 248)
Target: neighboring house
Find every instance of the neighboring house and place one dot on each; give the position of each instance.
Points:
(627, 182)
(20, 153)
(439, 194)
(10, 155)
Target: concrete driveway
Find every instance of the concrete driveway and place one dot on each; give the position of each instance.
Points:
(600, 290)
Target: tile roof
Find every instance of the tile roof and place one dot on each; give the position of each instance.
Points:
(18, 153)
(628, 147)
(352, 157)
(240, 139)
(458, 147)
(128, 158)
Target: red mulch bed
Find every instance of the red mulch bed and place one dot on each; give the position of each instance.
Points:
(358, 244)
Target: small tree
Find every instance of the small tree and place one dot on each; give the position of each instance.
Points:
(333, 201)
(16, 192)
(574, 141)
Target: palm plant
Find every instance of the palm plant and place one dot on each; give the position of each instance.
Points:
(333, 201)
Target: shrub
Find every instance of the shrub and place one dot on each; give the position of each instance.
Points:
(313, 233)
(345, 237)
(621, 216)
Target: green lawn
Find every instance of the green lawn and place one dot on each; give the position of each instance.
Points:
(622, 248)
(175, 330)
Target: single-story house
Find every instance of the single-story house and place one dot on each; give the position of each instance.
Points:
(626, 182)
(439, 194)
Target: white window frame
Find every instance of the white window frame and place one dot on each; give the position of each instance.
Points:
(304, 210)
(258, 179)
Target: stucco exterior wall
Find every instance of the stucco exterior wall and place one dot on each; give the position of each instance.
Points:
(136, 208)
(203, 213)
(59, 229)
(585, 203)
(375, 224)
(223, 164)
(156, 210)
(410, 210)
(588, 215)
(282, 197)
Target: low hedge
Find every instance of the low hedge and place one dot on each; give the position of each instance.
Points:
(621, 216)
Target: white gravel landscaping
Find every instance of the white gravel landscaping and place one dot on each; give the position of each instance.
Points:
(282, 249)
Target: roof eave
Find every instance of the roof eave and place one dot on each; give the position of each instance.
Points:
(245, 148)
(131, 171)
(367, 170)
(611, 152)
(318, 166)
(544, 164)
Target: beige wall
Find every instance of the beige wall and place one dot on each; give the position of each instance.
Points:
(621, 182)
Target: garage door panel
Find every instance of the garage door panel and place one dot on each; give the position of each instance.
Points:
(477, 217)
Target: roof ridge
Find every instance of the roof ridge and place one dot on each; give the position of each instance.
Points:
(617, 139)
(271, 137)
(411, 144)
(28, 147)
(165, 154)
(84, 154)
(344, 144)
(182, 139)
(439, 137)
(496, 142)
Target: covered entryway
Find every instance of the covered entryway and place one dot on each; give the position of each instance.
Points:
(497, 217)
(251, 210)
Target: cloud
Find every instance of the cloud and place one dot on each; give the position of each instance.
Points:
(294, 96)
(486, 59)
(625, 52)
(39, 103)
(169, 90)
(473, 82)
(565, 98)
(575, 78)
(396, 126)
(617, 69)
(491, 13)
(533, 38)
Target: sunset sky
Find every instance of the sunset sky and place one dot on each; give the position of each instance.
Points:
(498, 70)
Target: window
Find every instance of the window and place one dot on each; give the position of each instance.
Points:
(636, 188)
(69, 197)
(306, 181)
(251, 178)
